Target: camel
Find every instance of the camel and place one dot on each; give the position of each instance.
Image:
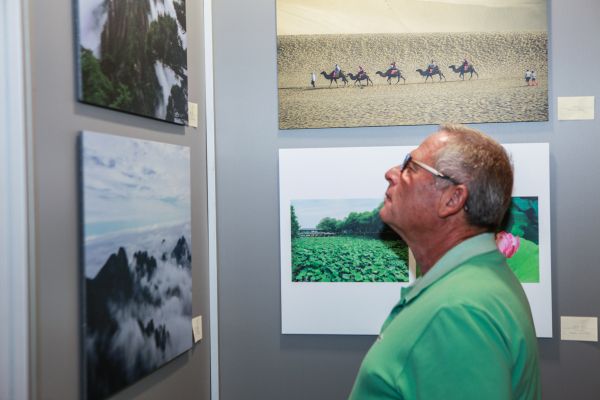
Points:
(332, 78)
(391, 73)
(358, 78)
(460, 70)
(428, 74)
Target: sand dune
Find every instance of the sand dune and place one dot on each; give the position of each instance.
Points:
(498, 95)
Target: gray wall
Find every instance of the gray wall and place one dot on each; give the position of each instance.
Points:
(256, 361)
(57, 121)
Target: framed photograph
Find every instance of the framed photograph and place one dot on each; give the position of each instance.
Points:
(344, 240)
(137, 259)
(341, 270)
(411, 62)
(132, 57)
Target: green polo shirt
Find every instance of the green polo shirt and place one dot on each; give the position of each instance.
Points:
(462, 331)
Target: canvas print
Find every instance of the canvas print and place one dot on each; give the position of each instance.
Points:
(347, 63)
(133, 57)
(137, 271)
(344, 240)
(340, 276)
(519, 239)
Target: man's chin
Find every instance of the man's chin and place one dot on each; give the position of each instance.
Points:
(383, 214)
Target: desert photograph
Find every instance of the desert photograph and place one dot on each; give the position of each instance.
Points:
(411, 62)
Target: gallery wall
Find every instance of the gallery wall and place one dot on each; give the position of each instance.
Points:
(57, 119)
(256, 360)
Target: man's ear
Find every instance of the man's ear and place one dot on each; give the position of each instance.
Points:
(453, 200)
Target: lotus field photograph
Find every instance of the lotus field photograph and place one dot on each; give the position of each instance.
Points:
(137, 268)
(133, 57)
(344, 240)
(519, 239)
(349, 63)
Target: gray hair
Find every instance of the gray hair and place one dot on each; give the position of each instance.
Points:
(483, 165)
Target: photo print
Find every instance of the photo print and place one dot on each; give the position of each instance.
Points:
(342, 63)
(340, 276)
(137, 271)
(519, 239)
(344, 240)
(133, 57)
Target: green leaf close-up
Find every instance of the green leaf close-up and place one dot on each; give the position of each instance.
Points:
(525, 263)
(348, 259)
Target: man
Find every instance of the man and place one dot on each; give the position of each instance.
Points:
(465, 65)
(464, 329)
(336, 71)
(527, 77)
(432, 67)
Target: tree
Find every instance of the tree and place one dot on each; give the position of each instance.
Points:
(328, 224)
(295, 224)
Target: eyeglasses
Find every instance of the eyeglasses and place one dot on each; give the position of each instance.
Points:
(427, 168)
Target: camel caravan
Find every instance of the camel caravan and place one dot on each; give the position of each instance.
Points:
(394, 74)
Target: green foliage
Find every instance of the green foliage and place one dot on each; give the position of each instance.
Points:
(163, 43)
(365, 223)
(123, 97)
(177, 106)
(525, 262)
(522, 218)
(125, 77)
(349, 259)
(329, 224)
(96, 87)
(295, 224)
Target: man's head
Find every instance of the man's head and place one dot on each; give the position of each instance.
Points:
(457, 176)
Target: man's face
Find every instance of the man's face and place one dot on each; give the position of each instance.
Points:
(410, 202)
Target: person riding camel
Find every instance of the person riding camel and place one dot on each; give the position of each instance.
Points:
(361, 72)
(432, 67)
(392, 68)
(465, 65)
(336, 71)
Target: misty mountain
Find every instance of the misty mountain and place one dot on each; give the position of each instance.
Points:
(138, 316)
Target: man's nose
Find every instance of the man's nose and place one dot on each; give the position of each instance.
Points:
(392, 174)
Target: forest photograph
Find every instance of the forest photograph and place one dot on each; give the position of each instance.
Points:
(133, 57)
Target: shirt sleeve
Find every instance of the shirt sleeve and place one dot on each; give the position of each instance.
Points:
(461, 355)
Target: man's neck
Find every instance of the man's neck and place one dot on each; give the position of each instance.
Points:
(429, 249)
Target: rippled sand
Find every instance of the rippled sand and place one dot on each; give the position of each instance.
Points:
(499, 95)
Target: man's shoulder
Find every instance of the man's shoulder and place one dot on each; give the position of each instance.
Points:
(484, 279)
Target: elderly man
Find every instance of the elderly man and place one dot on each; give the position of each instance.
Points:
(464, 329)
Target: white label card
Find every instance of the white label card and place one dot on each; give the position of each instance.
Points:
(583, 329)
(575, 108)
(192, 114)
(197, 328)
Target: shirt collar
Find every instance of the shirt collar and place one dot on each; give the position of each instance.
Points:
(474, 246)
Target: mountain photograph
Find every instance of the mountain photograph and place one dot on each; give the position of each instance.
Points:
(133, 57)
(137, 269)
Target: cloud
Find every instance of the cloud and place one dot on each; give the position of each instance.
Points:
(134, 180)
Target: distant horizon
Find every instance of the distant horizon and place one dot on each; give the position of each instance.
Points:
(310, 212)
(130, 184)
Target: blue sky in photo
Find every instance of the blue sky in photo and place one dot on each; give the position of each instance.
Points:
(133, 184)
(311, 211)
